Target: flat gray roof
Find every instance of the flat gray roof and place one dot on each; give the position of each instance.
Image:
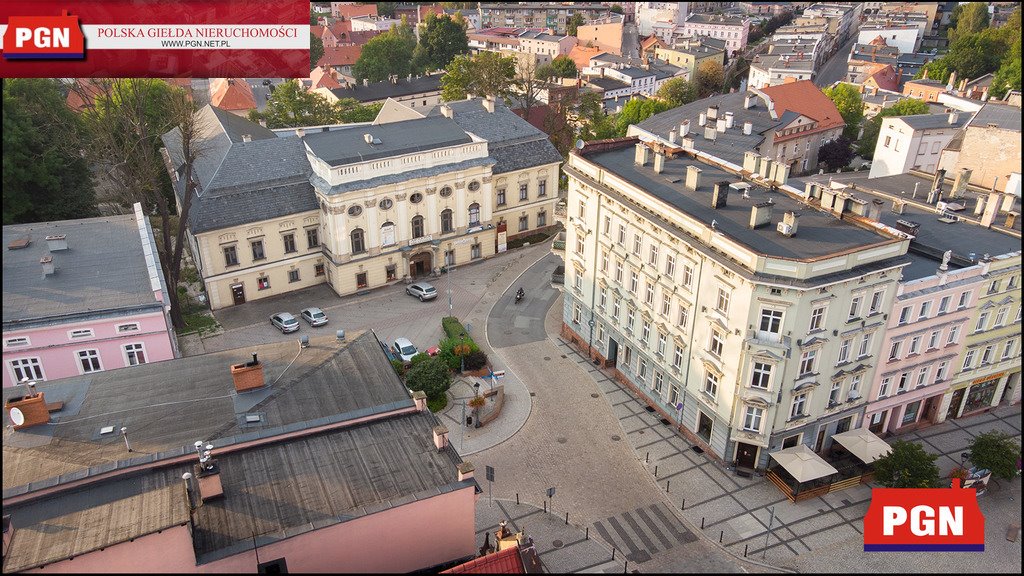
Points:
(935, 121)
(1001, 115)
(103, 271)
(340, 147)
(819, 234)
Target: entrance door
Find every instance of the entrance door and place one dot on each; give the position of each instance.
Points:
(613, 351)
(419, 265)
(931, 407)
(746, 455)
(819, 445)
(954, 404)
(238, 294)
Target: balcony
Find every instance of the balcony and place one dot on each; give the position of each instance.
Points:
(558, 246)
(772, 341)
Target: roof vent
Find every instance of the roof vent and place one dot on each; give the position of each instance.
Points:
(57, 242)
(47, 262)
(246, 137)
(907, 227)
(368, 138)
(20, 243)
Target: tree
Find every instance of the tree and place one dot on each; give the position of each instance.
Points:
(869, 138)
(616, 9)
(528, 82)
(836, 154)
(850, 105)
(314, 20)
(42, 178)
(907, 466)
(573, 24)
(678, 91)
(974, 55)
(316, 50)
(124, 124)
(710, 78)
(937, 69)
(636, 111)
(387, 54)
(349, 110)
(386, 9)
(443, 38)
(971, 18)
(997, 452)
(564, 67)
(589, 118)
(483, 74)
(1008, 76)
(431, 376)
(291, 105)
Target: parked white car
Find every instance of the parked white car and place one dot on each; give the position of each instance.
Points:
(404, 349)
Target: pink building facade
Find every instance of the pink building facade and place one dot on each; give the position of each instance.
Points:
(82, 296)
(924, 338)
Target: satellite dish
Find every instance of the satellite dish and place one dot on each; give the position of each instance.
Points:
(17, 416)
(579, 144)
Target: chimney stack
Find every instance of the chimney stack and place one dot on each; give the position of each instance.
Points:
(953, 117)
(642, 154)
(248, 376)
(720, 194)
(207, 474)
(659, 162)
(465, 471)
(684, 128)
(692, 177)
(729, 120)
(760, 215)
(749, 101)
(979, 205)
(489, 104)
(712, 112)
(673, 137)
(938, 180)
(991, 209)
(897, 206)
(751, 160)
(447, 111)
(47, 262)
(748, 128)
(710, 133)
(420, 398)
(875, 210)
(300, 132)
(702, 119)
(57, 242)
(720, 124)
(440, 437)
(1011, 219)
(789, 223)
(248, 137)
(29, 410)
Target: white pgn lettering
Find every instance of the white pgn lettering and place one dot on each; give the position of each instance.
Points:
(43, 37)
(922, 520)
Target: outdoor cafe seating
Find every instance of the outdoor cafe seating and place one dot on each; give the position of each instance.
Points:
(802, 474)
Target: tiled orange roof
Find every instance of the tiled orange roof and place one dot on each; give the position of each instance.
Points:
(507, 561)
(885, 78)
(803, 97)
(349, 11)
(340, 56)
(651, 40)
(232, 94)
(878, 41)
(581, 55)
(320, 79)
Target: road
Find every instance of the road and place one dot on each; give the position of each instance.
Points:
(630, 42)
(835, 68)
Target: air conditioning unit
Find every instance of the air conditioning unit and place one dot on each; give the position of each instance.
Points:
(785, 229)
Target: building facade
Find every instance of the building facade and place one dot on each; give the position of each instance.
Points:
(83, 296)
(733, 29)
(539, 15)
(914, 142)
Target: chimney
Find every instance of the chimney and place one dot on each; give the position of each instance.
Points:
(953, 117)
(720, 195)
(720, 124)
(710, 133)
(29, 409)
(751, 160)
(875, 210)
(248, 137)
(263, 123)
(712, 112)
(760, 215)
(897, 206)
(692, 177)
(642, 154)
(489, 104)
(440, 437)
(907, 227)
(300, 132)
(937, 181)
(465, 471)
(8, 534)
(684, 128)
(1011, 219)
(789, 223)
(248, 376)
(729, 120)
(952, 79)
(57, 242)
(702, 119)
(688, 143)
(47, 262)
(420, 398)
(673, 137)
(979, 205)
(765, 168)
(991, 209)
(860, 88)
(659, 162)
(447, 111)
(984, 94)
(749, 101)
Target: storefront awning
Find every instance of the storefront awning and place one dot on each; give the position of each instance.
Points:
(802, 464)
(863, 444)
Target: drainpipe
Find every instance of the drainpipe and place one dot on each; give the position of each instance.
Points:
(593, 285)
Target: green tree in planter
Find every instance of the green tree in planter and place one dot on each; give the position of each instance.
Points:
(997, 452)
(907, 466)
(431, 376)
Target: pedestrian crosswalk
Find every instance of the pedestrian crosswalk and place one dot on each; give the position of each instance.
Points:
(643, 532)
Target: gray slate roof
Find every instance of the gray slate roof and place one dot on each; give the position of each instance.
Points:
(381, 91)
(340, 147)
(1002, 115)
(103, 271)
(606, 83)
(935, 121)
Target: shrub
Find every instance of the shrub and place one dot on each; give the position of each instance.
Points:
(993, 450)
(418, 358)
(431, 376)
(449, 351)
(399, 367)
(477, 402)
(452, 327)
(476, 360)
(907, 466)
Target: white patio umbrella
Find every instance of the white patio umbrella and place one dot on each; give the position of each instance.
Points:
(803, 464)
(863, 444)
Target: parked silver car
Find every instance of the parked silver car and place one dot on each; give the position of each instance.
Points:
(314, 316)
(404, 349)
(284, 322)
(422, 290)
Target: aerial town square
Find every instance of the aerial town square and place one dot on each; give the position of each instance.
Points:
(607, 287)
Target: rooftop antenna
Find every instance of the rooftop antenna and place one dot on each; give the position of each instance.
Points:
(124, 432)
(714, 224)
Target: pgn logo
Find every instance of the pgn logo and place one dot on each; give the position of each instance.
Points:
(924, 520)
(43, 37)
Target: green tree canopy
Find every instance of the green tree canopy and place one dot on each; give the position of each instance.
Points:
(483, 74)
(971, 18)
(564, 67)
(387, 54)
(678, 91)
(836, 154)
(1008, 76)
(710, 78)
(850, 105)
(590, 119)
(431, 376)
(290, 106)
(905, 107)
(937, 69)
(974, 55)
(907, 466)
(616, 9)
(443, 38)
(316, 50)
(573, 24)
(997, 452)
(636, 111)
(42, 178)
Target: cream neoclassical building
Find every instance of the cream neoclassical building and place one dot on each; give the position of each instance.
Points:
(361, 206)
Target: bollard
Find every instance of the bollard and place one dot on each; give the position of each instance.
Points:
(683, 507)
(588, 533)
(517, 498)
(625, 567)
(655, 470)
(667, 484)
(721, 535)
(745, 550)
(545, 506)
(566, 518)
(701, 522)
(647, 459)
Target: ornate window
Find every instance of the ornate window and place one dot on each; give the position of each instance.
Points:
(417, 227)
(358, 241)
(415, 197)
(447, 224)
(446, 191)
(474, 214)
(474, 186)
(387, 234)
(354, 210)
(386, 204)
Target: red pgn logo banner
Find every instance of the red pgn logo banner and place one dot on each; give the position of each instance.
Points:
(38, 37)
(154, 38)
(924, 520)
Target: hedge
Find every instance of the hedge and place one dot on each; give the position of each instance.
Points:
(452, 327)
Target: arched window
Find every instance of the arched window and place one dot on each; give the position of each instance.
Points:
(358, 241)
(387, 234)
(474, 214)
(446, 221)
(417, 227)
